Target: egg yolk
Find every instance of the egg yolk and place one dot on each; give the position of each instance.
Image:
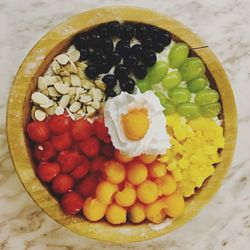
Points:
(135, 124)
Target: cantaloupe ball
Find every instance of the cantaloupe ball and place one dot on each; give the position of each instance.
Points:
(167, 184)
(135, 124)
(115, 171)
(147, 159)
(174, 205)
(122, 157)
(157, 169)
(93, 209)
(147, 192)
(136, 213)
(137, 172)
(126, 197)
(105, 191)
(116, 214)
(155, 211)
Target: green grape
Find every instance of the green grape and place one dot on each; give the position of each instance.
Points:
(189, 110)
(162, 98)
(169, 107)
(157, 72)
(197, 84)
(192, 68)
(211, 110)
(178, 54)
(206, 96)
(179, 95)
(143, 85)
(171, 80)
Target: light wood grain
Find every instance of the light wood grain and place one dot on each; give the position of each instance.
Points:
(36, 63)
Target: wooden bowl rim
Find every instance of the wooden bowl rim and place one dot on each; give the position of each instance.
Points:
(17, 114)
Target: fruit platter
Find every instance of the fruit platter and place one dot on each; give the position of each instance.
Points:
(121, 128)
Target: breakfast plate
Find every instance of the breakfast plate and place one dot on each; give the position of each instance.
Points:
(121, 124)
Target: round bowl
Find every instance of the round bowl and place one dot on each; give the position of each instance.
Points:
(18, 115)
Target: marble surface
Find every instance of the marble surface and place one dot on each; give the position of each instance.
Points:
(225, 222)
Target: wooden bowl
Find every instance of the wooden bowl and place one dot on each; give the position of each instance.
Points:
(18, 116)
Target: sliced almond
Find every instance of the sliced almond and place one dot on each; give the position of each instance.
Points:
(97, 95)
(62, 88)
(50, 103)
(100, 84)
(56, 67)
(80, 73)
(53, 92)
(72, 92)
(85, 99)
(72, 116)
(90, 120)
(41, 83)
(75, 80)
(39, 98)
(73, 69)
(33, 110)
(91, 91)
(87, 84)
(64, 101)
(81, 65)
(95, 105)
(51, 110)
(59, 110)
(40, 115)
(90, 111)
(101, 110)
(75, 107)
(66, 79)
(64, 73)
(74, 56)
(45, 92)
(71, 49)
(62, 59)
(79, 92)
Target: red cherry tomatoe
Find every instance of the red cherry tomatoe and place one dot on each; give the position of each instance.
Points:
(80, 171)
(62, 183)
(107, 149)
(47, 171)
(44, 151)
(38, 131)
(59, 124)
(97, 163)
(62, 142)
(90, 147)
(100, 130)
(88, 185)
(81, 130)
(71, 203)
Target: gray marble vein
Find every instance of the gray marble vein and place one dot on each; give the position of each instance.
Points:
(225, 222)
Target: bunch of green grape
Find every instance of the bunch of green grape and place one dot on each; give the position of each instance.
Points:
(176, 96)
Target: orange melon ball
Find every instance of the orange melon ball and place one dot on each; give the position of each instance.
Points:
(93, 209)
(135, 124)
(126, 197)
(155, 211)
(105, 191)
(174, 205)
(115, 214)
(136, 213)
(167, 184)
(122, 157)
(157, 169)
(115, 171)
(147, 159)
(147, 192)
(137, 172)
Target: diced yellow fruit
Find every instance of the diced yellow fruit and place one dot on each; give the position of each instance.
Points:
(166, 184)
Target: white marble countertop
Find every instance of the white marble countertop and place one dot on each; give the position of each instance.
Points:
(225, 222)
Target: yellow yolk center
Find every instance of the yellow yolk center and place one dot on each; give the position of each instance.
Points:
(135, 124)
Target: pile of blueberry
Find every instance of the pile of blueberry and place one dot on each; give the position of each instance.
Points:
(101, 53)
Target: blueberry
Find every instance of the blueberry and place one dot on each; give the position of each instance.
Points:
(149, 58)
(104, 67)
(127, 31)
(110, 81)
(158, 47)
(137, 50)
(114, 58)
(154, 33)
(140, 71)
(147, 43)
(94, 39)
(165, 39)
(96, 57)
(130, 61)
(114, 28)
(123, 47)
(85, 53)
(107, 45)
(91, 71)
(127, 84)
(141, 32)
(110, 93)
(81, 41)
(121, 71)
(102, 30)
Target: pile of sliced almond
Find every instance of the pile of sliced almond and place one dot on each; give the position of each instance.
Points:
(64, 87)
